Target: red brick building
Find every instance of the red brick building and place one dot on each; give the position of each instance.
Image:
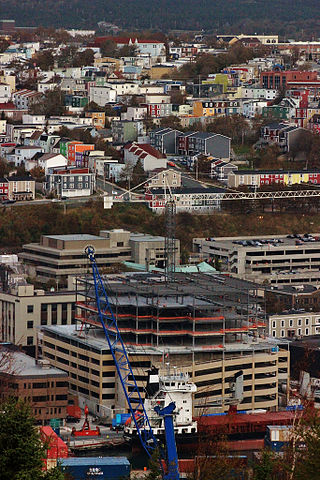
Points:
(36, 382)
(281, 78)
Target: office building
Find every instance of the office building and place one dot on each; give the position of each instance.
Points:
(58, 256)
(23, 310)
(266, 259)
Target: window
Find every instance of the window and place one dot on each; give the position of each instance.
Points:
(282, 323)
(307, 321)
(299, 322)
(61, 397)
(273, 333)
(30, 324)
(307, 331)
(282, 334)
(290, 323)
(30, 309)
(299, 331)
(273, 324)
(29, 340)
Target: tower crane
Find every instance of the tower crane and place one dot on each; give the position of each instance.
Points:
(129, 384)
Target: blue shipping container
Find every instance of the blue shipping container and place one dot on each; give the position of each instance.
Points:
(124, 417)
(102, 468)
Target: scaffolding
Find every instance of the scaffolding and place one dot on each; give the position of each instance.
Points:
(200, 312)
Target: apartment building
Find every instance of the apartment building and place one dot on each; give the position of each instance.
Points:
(272, 260)
(164, 139)
(186, 322)
(164, 178)
(124, 131)
(44, 387)
(259, 178)
(70, 182)
(24, 309)
(293, 325)
(192, 143)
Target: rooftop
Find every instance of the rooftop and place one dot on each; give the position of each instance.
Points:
(22, 365)
(267, 242)
(75, 237)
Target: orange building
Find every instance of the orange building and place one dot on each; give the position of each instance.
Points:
(98, 119)
(75, 148)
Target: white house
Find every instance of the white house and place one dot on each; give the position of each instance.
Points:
(250, 108)
(102, 95)
(134, 113)
(29, 119)
(52, 160)
(150, 157)
(23, 153)
(5, 93)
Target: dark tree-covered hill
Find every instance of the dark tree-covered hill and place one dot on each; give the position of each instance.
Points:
(248, 16)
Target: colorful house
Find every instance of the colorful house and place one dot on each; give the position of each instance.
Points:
(259, 178)
(75, 148)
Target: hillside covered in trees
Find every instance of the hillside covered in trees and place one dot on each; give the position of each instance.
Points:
(248, 16)
(25, 224)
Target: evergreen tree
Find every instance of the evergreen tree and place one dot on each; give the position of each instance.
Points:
(21, 450)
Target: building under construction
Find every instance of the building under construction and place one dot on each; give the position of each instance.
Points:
(208, 325)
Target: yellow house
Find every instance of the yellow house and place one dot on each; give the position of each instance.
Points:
(292, 178)
(98, 119)
(203, 109)
(109, 62)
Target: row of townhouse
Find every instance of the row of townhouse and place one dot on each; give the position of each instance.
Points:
(24, 99)
(191, 200)
(172, 141)
(17, 188)
(259, 178)
(213, 108)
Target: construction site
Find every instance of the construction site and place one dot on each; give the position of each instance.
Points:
(207, 325)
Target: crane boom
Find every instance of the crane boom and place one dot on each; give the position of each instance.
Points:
(128, 381)
(121, 360)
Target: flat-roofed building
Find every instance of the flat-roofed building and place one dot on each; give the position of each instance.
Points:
(57, 256)
(24, 309)
(275, 260)
(150, 250)
(44, 387)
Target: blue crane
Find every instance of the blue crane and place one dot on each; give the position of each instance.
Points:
(128, 381)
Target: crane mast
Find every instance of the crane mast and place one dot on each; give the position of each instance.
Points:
(128, 381)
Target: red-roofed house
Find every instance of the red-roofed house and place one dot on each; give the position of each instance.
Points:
(25, 98)
(149, 156)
